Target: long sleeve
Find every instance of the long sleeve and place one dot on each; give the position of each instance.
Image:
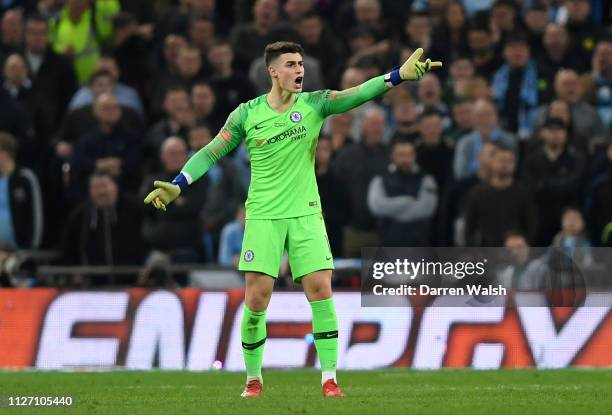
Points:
(335, 102)
(228, 139)
(424, 205)
(383, 206)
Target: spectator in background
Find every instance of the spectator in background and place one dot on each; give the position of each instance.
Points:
(340, 130)
(231, 87)
(178, 120)
(599, 93)
(461, 72)
(80, 32)
(80, 121)
(523, 272)
(452, 212)
(536, 21)
(109, 147)
(429, 92)
(320, 42)
(404, 199)
(554, 56)
(126, 95)
(333, 197)
(11, 28)
(405, 115)
(166, 64)
(503, 22)
(572, 239)
(177, 232)
(131, 47)
(499, 206)
(434, 152)
(599, 202)
(21, 210)
(553, 173)
(105, 228)
(585, 118)
(231, 241)
(450, 37)
(418, 30)
(250, 39)
(202, 33)
(515, 87)
(463, 118)
(52, 75)
(203, 100)
(480, 43)
(486, 128)
(188, 72)
(356, 165)
(583, 32)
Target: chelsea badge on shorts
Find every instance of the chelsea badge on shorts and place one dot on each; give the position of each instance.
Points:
(296, 116)
(249, 256)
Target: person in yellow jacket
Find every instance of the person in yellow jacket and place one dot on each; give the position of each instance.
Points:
(80, 30)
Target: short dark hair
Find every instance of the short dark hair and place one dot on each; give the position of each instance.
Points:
(429, 112)
(274, 50)
(8, 143)
(99, 74)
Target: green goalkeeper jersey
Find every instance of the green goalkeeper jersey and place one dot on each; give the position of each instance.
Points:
(281, 147)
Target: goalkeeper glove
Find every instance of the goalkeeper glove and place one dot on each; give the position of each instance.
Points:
(163, 194)
(412, 69)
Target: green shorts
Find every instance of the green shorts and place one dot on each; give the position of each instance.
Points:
(304, 238)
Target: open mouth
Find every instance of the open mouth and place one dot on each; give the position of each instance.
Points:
(298, 81)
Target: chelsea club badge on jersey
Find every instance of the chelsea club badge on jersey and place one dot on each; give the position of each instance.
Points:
(296, 116)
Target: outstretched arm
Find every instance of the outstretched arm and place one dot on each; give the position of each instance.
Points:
(228, 139)
(335, 102)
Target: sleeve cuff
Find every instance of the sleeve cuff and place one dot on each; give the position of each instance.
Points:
(393, 78)
(182, 180)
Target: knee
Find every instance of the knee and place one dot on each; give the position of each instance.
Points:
(319, 291)
(257, 300)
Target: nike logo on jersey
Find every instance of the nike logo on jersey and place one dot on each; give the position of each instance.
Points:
(259, 127)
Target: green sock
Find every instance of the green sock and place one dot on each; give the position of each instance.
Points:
(253, 334)
(325, 332)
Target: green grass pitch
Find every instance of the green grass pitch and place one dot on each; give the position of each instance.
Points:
(391, 391)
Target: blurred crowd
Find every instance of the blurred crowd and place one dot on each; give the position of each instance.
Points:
(511, 139)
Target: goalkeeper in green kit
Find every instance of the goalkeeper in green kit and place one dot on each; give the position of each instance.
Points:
(283, 210)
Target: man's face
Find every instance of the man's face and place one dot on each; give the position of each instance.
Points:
(199, 137)
(503, 163)
(555, 38)
(221, 56)
(367, 11)
(567, 86)
(485, 157)
(603, 55)
(578, 10)
(560, 109)
(418, 28)
(463, 116)
(12, 28)
(109, 65)
(516, 54)
(288, 70)
(554, 137)
(429, 89)
(341, 123)
(519, 249)
(266, 12)
(202, 32)
(479, 41)
(189, 62)
(310, 30)
(572, 223)
(503, 17)
(297, 8)
(203, 98)
(536, 20)
(485, 116)
(461, 69)
(36, 36)
(430, 129)
(404, 112)
(176, 102)
(102, 84)
(107, 109)
(103, 192)
(373, 128)
(403, 156)
(15, 69)
(173, 154)
(203, 7)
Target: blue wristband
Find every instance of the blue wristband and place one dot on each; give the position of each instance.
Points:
(181, 181)
(393, 78)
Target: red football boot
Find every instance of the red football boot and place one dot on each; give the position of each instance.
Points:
(331, 389)
(252, 389)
